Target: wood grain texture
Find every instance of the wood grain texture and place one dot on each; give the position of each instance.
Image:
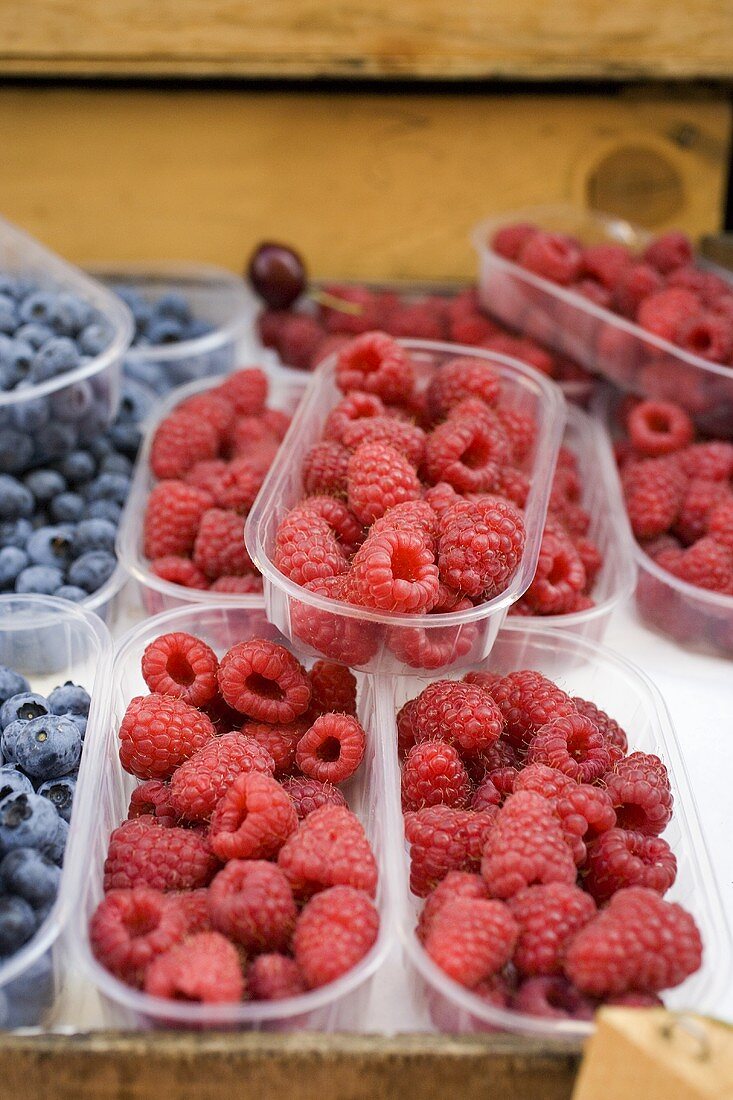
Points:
(355, 38)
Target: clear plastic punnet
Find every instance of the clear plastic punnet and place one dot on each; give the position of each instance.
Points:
(77, 406)
(158, 594)
(583, 668)
(103, 805)
(601, 341)
(49, 641)
(383, 642)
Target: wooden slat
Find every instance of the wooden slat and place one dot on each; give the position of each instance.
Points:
(523, 39)
(367, 186)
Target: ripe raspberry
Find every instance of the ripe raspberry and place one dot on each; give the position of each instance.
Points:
(219, 549)
(619, 858)
(407, 439)
(659, 427)
(444, 839)
(325, 468)
(700, 500)
(247, 585)
(346, 528)
(406, 731)
(548, 918)
(433, 774)
(712, 460)
(306, 548)
(665, 311)
(277, 422)
(129, 928)
(554, 256)
(554, 998)
(527, 700)
(480, 546)
(525, 847)
(333, 688)
(264, 681)
(252, 904)
(707, 564)
(668, 251)
(274, 977)
(523, 349)
(455, 885)
(253, 819)
(654, 490)
(636, 283)
(378, 478)
(198, 785)
(394, 570)
(472, 329)
(251, 438)
(574, 745)
(467, 453)
(509, 240)
(180, 441)
(310, 794)
(483, 679)
(720, 526)
(559, 578)
(583, 811)
(205, 968)
(335, 930)
(332, 749)
(239, 484)
(606, 263)
(375, 363)
(206, 475)
(433, 647)
(459, 378)
(355, 406)
(591, 557)
(367, 309)
(213, 407)
(608, 726)
(330, 848)
(181, 665)
(638, 942)
(194, 904)
(280, 741)
(488, 793)
(459, 712)
(179, 571)
(144, 853)
(708, 335)
(471, 939)
(348, 640)
(513, 484)
(640, 793)
(153, 798)
(521, 430)
(411, 515)
(246, 390)
(158, 733)
(172, 517)
(417, 321)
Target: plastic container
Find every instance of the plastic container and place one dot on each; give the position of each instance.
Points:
(603, 501)
(215, 296)
(75, 407)
(694, 617)
(598, 339)
(49, 641)
(103, 805)
(155, 593)
(593, 672)
(380, 642)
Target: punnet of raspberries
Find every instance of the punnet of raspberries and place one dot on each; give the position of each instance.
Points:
(534, 839)
(240, 874)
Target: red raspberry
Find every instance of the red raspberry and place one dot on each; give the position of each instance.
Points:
(509, 240)
(280, 741)
(253, 819)
(591, 557)
(239, 484)
(640, 793)
(699, 502)
(554, 256)
(583, 811)
(406, 439)
(375, 363)
(366, 312)
(659, 427)
(204, 968)
(298, 340)
(144, 853)
(449, 600)
(471, 329)
(264, 681)
(247, 585)
(332, 749)
(521, 429)
(335, 930)
(460, 378)
(179, 571)
(553, 998)
(330, 848)
(306, 548)
(172, 517)
(559, 578)
(523, 349)
(594, 292)
(180, 441)
(406, 730)
(638, 942)
(198, 785)
(213, 407)
(444, 839)
(708, 335)
(708, 565)
(654, 490)
(574, 745)
(441, 498)
(527, 700)
(277, 422)
(394, 570)
(483, 679)
(246, 390)
(417, 321)
(513, 484)
(433, 774)
(525, 847)
(252, 904)
(219, 549)
(411, 515)
(433, 648)
(466, 453)
(378, 478)
(324, 469)
(345, 527)
(129, 928)
(158, 733)
(355, 406)
(459, 712)
(455, 885)
(548, 918)
(608, 726)
(182, 666)
(274, 977)
(494, 788)
(712, 460)
(606, 263)
(207, 475)
(471, 939)
(619, 858)
(668, 251)
(480, 547)
(310, 794)
(636, 283)
(194, 905)
(665, 311)
(152, 798)
(333, 688)
(252, 439)
(349, 640)
(720, 526)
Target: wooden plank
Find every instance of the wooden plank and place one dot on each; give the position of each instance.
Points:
(425, 38)
(367, 186)
(300, 1066)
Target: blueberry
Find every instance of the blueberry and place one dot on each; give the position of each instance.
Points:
(12, 779)
(130, 296)
(16, 500)
(45, 484)
(136, 401)
(100, 447)
(31, 415)
(28, 821)
(164, 330)
(69, 698)
(94, 338)
(175, 305)
(92, 569)
(67, 508)
(8, 286)
(126, 437)
(60, 793)
(8, 741)
(150, 373)
(105, 510)
(38, 307)
(118, 464)
(16, 451)
(56, 848)
(15, 532)
(114, 487)
(43, 580)
(55, 441)
(12, 562)
(17, 923)
(11, 684)
(57, 356)
(51, 545)
(71, 592)
(8, 314)
(48, 747)
(73, 402)
(30, 875)
(23, 707)
(16, 361)
(78, 466)
(198, 328)
(80, 721)
(34, 334)
(29, 996)
(94, 534)
(70, 314)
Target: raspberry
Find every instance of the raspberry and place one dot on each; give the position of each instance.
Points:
(455, 885)
(378, 478)
(172, 517)
(548, 918)
(310, 794)
(239, 484)
(417, 321)
(636, 283)
(207, 475)
(591, 557)
(509, 240)
(708, 335)
(433, 774)
(554, 998)
(654, 490)
(471, 939)
(700, 500)
(638, 942)
(253, 819)
(349, 640)
(324, 469)
(406, 731)
(280, 741)
(194, 905)
(330, 848)
(523, 349)
(264, 681)
(513, 484)
(179, 571)
(666, 310)
(158, 733)
(335, 930)
(213, 407)
(277, 422)
(559, 577)
(182, 666)
(525, 847)
(444, 839)
(466, 453)
(471, 329)
(619, 858)
(483, 679)
(583, 811)
(459, 378)
(143, 853)
(459, 712)
(668, 251)
(129, 928)
(434, 647)
(659, 427)
(712, 460)
(306, 548)
(332, 749)
(527, 700)
(180, 441)
(345, 527)
(355, 406)
(205, 968)
(449, 600)
(521, 430)
(493, 788)
(720, 526)
(248, 585)
(252, 904)
(406, 439)
(608, 726)
(333, 688)
(252, 439)
(198, 784)
(640, 793)
(375, 363)
(219, 549)
(411, 515)
(246, 390)
(606, 263)
(441, 497)
(574, 745)
(554, 256)
(274, 977)
(367, 310)
(154, 798)
(480, 546)
(394, 570)
(708, 565)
